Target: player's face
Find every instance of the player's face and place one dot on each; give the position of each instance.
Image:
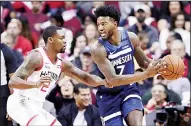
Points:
(83, 98)
(59, 42)
(106, 25)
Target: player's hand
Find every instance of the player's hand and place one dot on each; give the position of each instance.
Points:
(107, 84)
(151, 69)
(44, 81)
(156, 67)
(161, 66)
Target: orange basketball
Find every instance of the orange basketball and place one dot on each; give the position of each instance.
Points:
(175, 68)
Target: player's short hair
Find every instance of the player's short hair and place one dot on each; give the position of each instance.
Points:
(78, 86)
(108, 10)
(49, 32)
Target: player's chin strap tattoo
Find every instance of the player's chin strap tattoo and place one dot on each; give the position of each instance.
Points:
(107, 84)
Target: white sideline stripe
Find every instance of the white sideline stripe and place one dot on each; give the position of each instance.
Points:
(132, 96)
(111, 116)
(112, 56)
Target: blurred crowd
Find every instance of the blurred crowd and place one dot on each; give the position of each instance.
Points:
(162, 27)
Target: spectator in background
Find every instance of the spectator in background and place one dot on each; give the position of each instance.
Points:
(27, 33)
(62, 94)
(81, 42)
(172, 96)
(178, 48)
(54, 6)
(6, 11)
(91, 33)
(80, 113)
(36, 16)
(71, 19)
(88, 19)
(177, 25)
(159, 95)
(126, 8)
(131, 20)
(8, 67)
(140, 26)
(179, 86)
(21, 43)
(9, 41)
(172, 36)
(170, 9)
(78, 45)
(154, 51)
(85, 62)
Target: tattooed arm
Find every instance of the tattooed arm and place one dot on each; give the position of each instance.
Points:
(32, 62)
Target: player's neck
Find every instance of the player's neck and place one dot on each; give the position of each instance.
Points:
(52, 55)
(115, 38)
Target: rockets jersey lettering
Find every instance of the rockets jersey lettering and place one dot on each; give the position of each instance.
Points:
(121, 57)
(48, 69)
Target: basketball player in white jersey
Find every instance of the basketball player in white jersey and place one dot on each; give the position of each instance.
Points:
(35, 77)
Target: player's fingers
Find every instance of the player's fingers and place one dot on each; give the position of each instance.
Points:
(45, 81)
(108, 85)
(165, 64)
(45, 77)
(155, 62)
(161, 70)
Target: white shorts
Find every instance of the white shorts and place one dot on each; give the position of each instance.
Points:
(27, 112)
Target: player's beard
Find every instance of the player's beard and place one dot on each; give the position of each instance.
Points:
(62, 50)
(108, 37)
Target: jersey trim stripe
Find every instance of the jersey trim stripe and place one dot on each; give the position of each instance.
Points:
(31, 119)
(132, 96)
(112, 116)
(52, 124)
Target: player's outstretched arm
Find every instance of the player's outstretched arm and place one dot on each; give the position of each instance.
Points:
(32, 62)
(99, 56)
(72, 71)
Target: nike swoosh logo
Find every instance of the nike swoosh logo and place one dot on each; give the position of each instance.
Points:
(113, 52)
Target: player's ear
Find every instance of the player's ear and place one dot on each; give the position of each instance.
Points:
(50, 39)
(115, 23)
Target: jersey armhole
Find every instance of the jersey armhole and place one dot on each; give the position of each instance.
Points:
(41, 65)
(126, 32)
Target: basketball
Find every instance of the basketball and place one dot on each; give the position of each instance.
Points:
(175, 67)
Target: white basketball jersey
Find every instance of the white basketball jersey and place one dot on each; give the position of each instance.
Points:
(48, 69)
